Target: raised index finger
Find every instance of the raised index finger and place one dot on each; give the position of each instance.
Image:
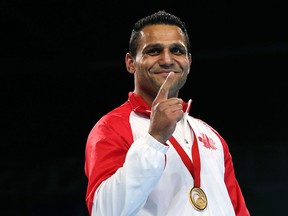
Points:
(164, 89)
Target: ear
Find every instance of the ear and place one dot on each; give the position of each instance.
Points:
(130, 63)
(190, 58)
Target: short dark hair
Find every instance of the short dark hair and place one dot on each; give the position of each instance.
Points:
(161, 17)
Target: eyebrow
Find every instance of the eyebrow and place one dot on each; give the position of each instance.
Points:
(160, 46)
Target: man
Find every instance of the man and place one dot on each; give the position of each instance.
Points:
(149, 156)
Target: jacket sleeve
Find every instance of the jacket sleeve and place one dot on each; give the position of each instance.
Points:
(232, 185)
(120, 175)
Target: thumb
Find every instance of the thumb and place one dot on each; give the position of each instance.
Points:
(164, 89)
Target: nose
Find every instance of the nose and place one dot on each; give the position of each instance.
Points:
(166, 58)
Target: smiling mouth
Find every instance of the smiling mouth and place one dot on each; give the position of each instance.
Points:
(164, 72)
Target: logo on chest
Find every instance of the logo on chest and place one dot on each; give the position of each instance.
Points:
(207, 142)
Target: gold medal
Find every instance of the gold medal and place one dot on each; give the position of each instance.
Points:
(197, 198)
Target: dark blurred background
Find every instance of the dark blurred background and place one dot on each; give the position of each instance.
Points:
(62, 68)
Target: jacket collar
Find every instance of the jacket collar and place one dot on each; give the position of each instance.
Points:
(140, 106)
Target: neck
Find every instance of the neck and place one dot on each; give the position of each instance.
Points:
(149, 98)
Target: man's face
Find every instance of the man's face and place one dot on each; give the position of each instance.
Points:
(162, 49)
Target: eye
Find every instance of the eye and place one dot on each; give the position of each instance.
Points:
(178, 51)
(153, 51)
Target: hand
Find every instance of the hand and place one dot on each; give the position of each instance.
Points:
(165, 112)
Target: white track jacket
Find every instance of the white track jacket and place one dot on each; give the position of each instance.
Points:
(132, 174)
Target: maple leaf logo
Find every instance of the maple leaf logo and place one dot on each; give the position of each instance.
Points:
(208, 142)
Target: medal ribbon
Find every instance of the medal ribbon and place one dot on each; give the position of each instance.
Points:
(193, 167)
